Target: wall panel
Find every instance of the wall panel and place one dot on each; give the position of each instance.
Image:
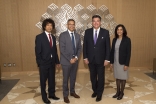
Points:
(18, 30)
(10, 36)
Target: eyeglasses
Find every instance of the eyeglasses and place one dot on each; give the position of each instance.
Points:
(72, 24)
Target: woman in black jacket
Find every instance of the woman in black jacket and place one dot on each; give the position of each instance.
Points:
(120, 58)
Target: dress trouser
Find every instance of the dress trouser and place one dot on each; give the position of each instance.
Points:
(69, 72)
(97, 72)
(47, 73)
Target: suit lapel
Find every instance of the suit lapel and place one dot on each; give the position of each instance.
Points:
(122, 42)
(76, 38)
(92, 36)
(46, 39)
(53, 41)
(68, 37)
(113, 45)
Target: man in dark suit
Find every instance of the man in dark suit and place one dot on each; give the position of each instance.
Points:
(96, 53)
(70, 49)
(47, 58)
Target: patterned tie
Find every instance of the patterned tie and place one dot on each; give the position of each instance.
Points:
(95, 37)
(50, 41)
(73, 42)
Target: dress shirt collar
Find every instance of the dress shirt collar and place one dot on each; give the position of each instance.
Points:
(96, 30)
(70, 32)
(47, 33)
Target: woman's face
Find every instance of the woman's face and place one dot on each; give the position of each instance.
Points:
(120, 31)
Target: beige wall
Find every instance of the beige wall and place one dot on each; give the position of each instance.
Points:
(18, 30)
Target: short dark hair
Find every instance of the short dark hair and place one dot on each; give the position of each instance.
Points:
(46, 21)
(71, 20)
(124, 30)
(96, 16)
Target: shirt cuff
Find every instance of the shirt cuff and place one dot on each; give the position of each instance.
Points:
(107, 60)
(76, 57)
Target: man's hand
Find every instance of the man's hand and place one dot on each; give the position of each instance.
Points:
(86, 61)
(72, 61)
(111, 66)
(75, 59)
(58, 65)
(125, 68)
(106, 63)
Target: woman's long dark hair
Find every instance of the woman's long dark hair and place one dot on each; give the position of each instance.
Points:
(124, 31)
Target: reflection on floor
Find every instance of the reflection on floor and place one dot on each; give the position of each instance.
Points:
(140, 88)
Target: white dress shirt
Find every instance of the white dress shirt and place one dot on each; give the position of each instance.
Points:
(98, 30)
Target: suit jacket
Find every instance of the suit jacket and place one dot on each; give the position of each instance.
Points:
(44, 51)
(66, 48)
(101, 50)
(124, 51)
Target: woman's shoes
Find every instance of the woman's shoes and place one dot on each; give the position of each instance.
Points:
(116, 95)
(120, 96)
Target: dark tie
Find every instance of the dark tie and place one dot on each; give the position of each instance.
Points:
(73, 42)
(95, 37)
(50, 41)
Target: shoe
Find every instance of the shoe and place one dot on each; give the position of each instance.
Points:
(120, 96)
(54, 97)
(98, 98)
(66, 100)
(47, 101)
(94, 95)
(74, 95)
(116, 95)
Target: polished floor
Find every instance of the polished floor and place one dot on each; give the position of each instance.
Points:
(140, 88)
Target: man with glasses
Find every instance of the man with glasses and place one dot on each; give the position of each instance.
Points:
(70, 49)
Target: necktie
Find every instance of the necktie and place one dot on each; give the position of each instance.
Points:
(50, 41)
(73, 42)
(95, 37)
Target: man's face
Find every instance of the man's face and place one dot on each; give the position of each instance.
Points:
(49, 27)
(71, 26)
(96, 23)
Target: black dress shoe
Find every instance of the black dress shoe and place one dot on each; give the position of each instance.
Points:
(94, 95)
(116, 95)
(47, 101)
(66, 100)
(120, 96)
(98, 98)
(75, 95)
(54, 97)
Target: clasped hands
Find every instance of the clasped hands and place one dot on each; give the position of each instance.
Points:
(73, 60)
